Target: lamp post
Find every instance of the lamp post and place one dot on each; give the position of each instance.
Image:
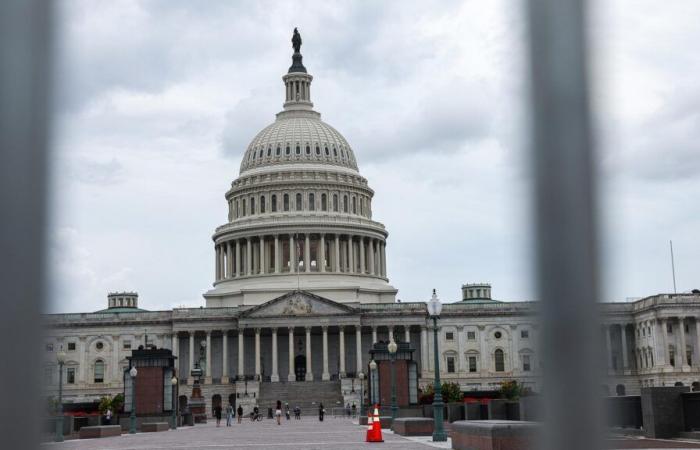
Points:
(372, 371)
(132, 418)
(61, 359)
(392, 347)
(173, 381)
(361, 376)
(434, 310)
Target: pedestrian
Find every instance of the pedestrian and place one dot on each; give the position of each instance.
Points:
(286, 410)
(278, 412)
(239, 413)
(217, 414)
(321, 412)
(108, 417)
(297, 413)
(229, 415)
(354, 410)
(347, 409)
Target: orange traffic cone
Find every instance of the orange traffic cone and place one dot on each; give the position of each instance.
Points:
(370, 426)
(376, 435)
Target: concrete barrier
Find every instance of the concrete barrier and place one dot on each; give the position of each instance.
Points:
(494, 434)
(100, 431)
(154, 427)
(413, 426)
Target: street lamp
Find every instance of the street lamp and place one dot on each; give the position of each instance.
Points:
(361, 376)
(434, 310)
(61, 359)
(173, 381)
(392, 347)
(132, 418)
(372, 372)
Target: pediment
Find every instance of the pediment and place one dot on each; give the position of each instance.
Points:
(298, 303)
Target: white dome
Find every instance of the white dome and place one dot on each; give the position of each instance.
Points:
(298, 137)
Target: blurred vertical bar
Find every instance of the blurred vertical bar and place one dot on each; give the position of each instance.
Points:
(565, 223)
(25, 31)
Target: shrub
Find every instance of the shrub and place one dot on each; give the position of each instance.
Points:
(512, 390)
(451, 392)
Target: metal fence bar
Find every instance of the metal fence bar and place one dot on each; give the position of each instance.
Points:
(565, 222)
(25, 28)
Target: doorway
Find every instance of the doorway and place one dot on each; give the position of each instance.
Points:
(300, 367)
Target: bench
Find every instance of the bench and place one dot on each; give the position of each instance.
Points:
(100, 431)
(153, 427)
(494, 434)
(413, 426)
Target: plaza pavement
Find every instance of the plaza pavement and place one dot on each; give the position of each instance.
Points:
(307, 434)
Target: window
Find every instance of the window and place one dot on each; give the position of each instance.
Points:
(525, 334)
(526, 363)
(335, 202)
(49, 347)
(669, 328)
(354, 205)
(449, 336)
(252, 205)
(672, 357)
(471, 335)
(277, 152)
(327, 152)
(262, 204)
(235, 211)
(286, 202)
(324, 202)
(500, 361)
(686, 328)
(273, 203)
(99, 345)
(308, 150)
(318, 151)
(298, 149)
(99, 371)
(335, 152)
(243, 209)
(286, 150)
(71, 346)
(70, 375)
(472, 364)
(450, 364)
(269, 151)
(261, 153)
(299, 203)
(497, 335)
(312, 202)
(689, 357)
(345, 203)
(126, 345)
(644, 332)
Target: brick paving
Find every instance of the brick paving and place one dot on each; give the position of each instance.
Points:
(308, 434)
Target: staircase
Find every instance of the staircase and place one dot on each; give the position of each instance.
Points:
(305, 394)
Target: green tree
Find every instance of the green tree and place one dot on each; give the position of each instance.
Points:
(511, 390)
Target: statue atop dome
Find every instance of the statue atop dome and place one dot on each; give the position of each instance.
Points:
(296, 40)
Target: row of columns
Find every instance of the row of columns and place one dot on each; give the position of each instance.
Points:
(304, 253)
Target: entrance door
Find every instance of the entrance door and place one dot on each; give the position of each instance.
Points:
(300, 367)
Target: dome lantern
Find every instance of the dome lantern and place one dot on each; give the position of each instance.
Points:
(297, 81)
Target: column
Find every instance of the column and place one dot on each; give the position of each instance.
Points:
(336, 259)
(222, 263)
(291, 376)
(229, 260)
(249, 257)
(307, 253)
(309, 374)
(275, 375)
(241, 368)
(461, 363)
(382, 259)
(207, 376)
(292, 254)
(216, 263)
(697, 332)
(681, 353)
(391, 333)
(374, 334)
(423, 350)
(257, 353)
(325, 375)
(238, 258)
(262, 254)
(341, 341)
(407, 333)
(82, 368)
(362, 254)
(351, 255)
(115, 360)
(192, 358)
(224, 357)
(371, 257)
(664, 341)
(322, 252)
(358, 349)
(176, 345)
(623, 334)
(608, 347)
(277, 254)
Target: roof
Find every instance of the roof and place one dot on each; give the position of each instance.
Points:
(121, 309)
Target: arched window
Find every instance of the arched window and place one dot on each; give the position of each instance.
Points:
(345, 203)
(308, 150)
(252, 205)
(354, 205)
(500, 362)
(273, 203)
(243, 210)
(620, 389)
(235, 212)
(335, 202)
(318, 151)
(312, 202)
(269, 151)
(286, 151)
(278, 150)
(324, 203)
(253, 156)
(299, 203)
(286, 202)
(327, 152)
(262, 204)
(261, 153)
(298, 149)
(335, 152)
(99, 371)
(362, 206)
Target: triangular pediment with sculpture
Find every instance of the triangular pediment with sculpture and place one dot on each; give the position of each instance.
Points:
(298, 303)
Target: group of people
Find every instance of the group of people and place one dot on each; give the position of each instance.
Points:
(255, 414)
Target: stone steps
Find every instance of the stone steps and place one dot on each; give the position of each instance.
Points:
(305, 394)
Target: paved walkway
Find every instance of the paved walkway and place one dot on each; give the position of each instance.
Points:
(308, 433)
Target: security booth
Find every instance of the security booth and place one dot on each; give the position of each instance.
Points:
(380, 379)
(154, 395)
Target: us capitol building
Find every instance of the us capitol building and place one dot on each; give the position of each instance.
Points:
(301, 294)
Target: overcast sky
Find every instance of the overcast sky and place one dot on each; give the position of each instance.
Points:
(157, 101)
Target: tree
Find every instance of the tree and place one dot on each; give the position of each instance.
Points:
(512, 390)
(451, 392)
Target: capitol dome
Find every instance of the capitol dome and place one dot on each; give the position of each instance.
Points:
(299, 214)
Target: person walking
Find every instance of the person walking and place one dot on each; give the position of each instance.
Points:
(239, 413)
(217, 414)
(321, 412)
(108, 416)
(354, 410)
(278, 412)
(286, 411)
(229, 415)
(297, 413)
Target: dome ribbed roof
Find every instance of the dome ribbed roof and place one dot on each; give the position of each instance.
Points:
(298, 139)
